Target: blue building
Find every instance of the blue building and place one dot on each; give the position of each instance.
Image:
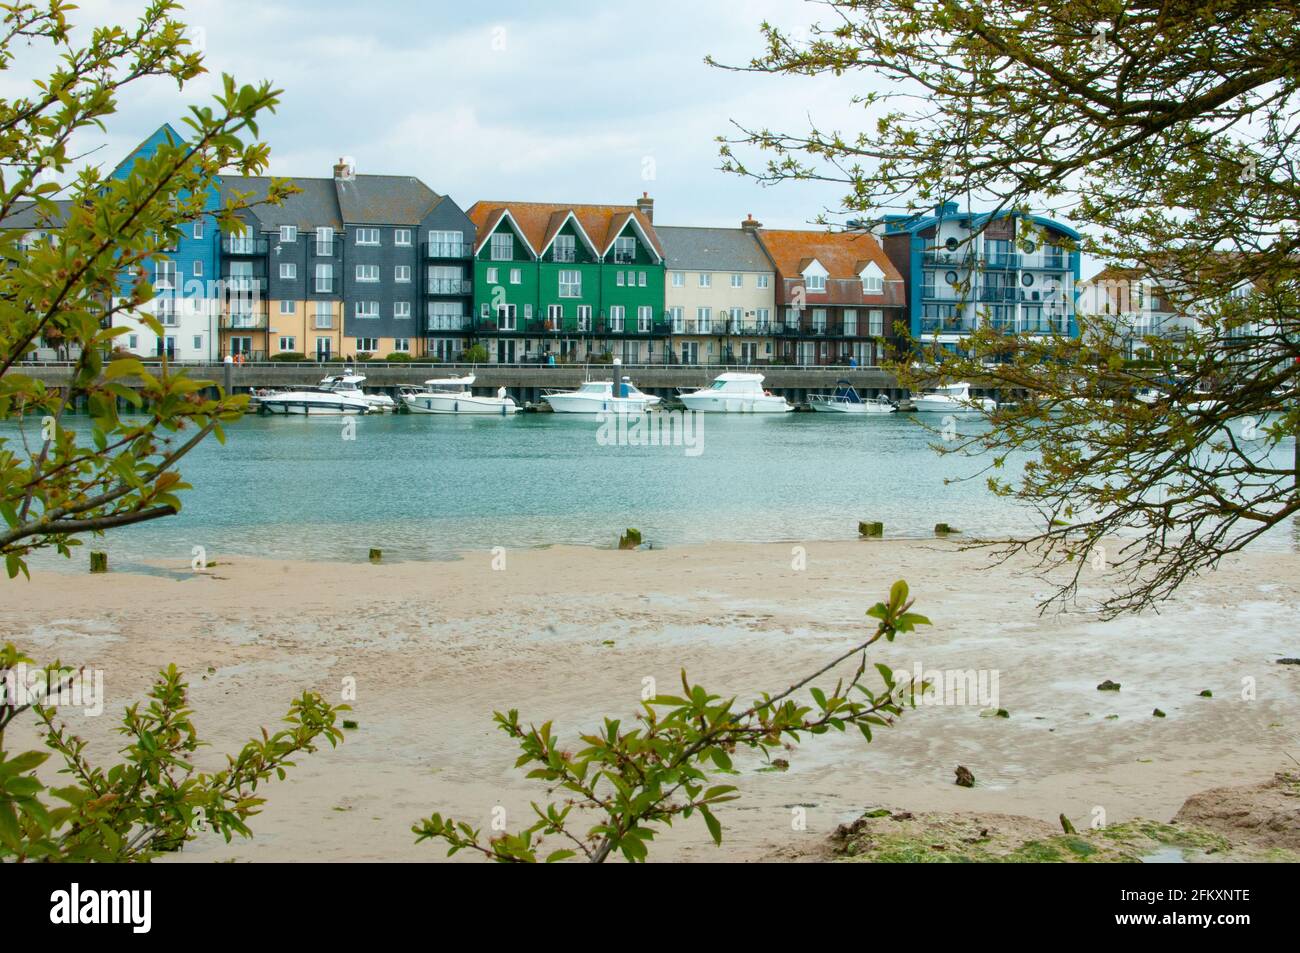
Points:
(185, 279)
(967, 269)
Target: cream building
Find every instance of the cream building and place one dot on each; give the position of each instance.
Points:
(719, 294)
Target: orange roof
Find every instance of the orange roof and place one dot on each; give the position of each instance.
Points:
(842, 254)
(539, 221)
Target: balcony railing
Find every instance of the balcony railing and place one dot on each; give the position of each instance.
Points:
(243, 284)
(998, 294)
(244, 321)
(998, 262)
(447, 249)
(243, 246)
(962, 257)
(450, 286)
(947, 326)
(448, 323)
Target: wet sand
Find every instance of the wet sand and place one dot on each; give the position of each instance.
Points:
(436, 647)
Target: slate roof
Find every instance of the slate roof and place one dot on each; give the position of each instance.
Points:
(321, 202)
(690, 248)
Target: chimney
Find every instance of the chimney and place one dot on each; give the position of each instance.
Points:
(646, 206)
(750, 224)
(345, 169)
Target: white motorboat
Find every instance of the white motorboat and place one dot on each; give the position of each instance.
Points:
(595, 397)
(333, 396)
(953, 399)
(734, 392)
(350, 384)
(1202, 402)
(846, 400)
(452, 395)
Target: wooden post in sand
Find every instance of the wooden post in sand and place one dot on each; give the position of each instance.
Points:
(99, 562)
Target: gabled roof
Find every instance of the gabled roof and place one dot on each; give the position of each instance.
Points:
(842, 254)
(601, 223)
(557, 223)
(28, 215)
(691, 248)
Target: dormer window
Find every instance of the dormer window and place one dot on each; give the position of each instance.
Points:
(815, 282)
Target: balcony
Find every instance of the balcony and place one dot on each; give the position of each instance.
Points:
(947, 325)
(747, 327)
(243, 321)
(243, 284)
(1002, 262)
(962, 257)
(1044, 262)
(450, 286)
(448, 250)
(458, 323)
(998, 294)
(236, 247)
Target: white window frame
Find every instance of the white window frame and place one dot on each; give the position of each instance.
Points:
(288, 271)
(573, 285)
(290, 310)
(706, 279)
(402, 237)
(325, 274)
(499, 244)
(368, 237)
(399, 307)
(617, 316)
(288, 233)
(367, 274)
(402, 274)
(679, 279)
(366, 310)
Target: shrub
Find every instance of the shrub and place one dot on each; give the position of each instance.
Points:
(289, 356)
(398, 357)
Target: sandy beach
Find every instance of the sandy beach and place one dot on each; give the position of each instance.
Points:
(570, 634)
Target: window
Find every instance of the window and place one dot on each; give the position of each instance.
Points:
(624, 250)
(643, 314)
(367, 309)
(873, 285)
(675, 314)
(565, 249)
(367, 345)
(446, 280)
(198, 229)
(506, 317)
(288, 233)
(762, 316)
(640, 279)
(876, 323)
(324, 278)
(165, 310)
(286, 307)
(737, 281)
(503, 247)
(492, 278)
(402, 236)
(819, 319)
(198, 268)
(516, 276)
(325, 242)
(401, 344)
(367, 236)
(703, 319)
(571, 284)
(402, 273)
(444, 244)
(616, 317)
(198, 342)
(815, 282)
(850, 322)
(401, 309)
(584, 317)
(288, 271)
(555, 314)
(706, 280)
(165, 278)
(287, 343)
(762, 281)
(679, 279)
(133, 341)
(324, 315)
(367, 272)
(619, 279)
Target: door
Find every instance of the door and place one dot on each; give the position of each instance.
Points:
(323, 346)
(506, 351)
(690, 352)
(748, 352)
(241, 345)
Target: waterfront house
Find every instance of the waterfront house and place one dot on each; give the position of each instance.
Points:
(568, 282)
(838, 296)
(1017, 272)
(349, 265)
(720, 294)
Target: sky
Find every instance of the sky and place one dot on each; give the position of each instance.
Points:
(558, 101)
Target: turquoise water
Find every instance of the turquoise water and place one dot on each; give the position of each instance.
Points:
(423, 487)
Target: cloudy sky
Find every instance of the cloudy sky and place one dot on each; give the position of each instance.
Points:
(556, 101)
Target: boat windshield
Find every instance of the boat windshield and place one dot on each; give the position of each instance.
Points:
(717, 385)
(593, 387)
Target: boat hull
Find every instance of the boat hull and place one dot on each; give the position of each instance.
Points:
(843, 407)
(460, 404)
(930, 405)
(291, 405)
(738, 404)
(579, 404)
